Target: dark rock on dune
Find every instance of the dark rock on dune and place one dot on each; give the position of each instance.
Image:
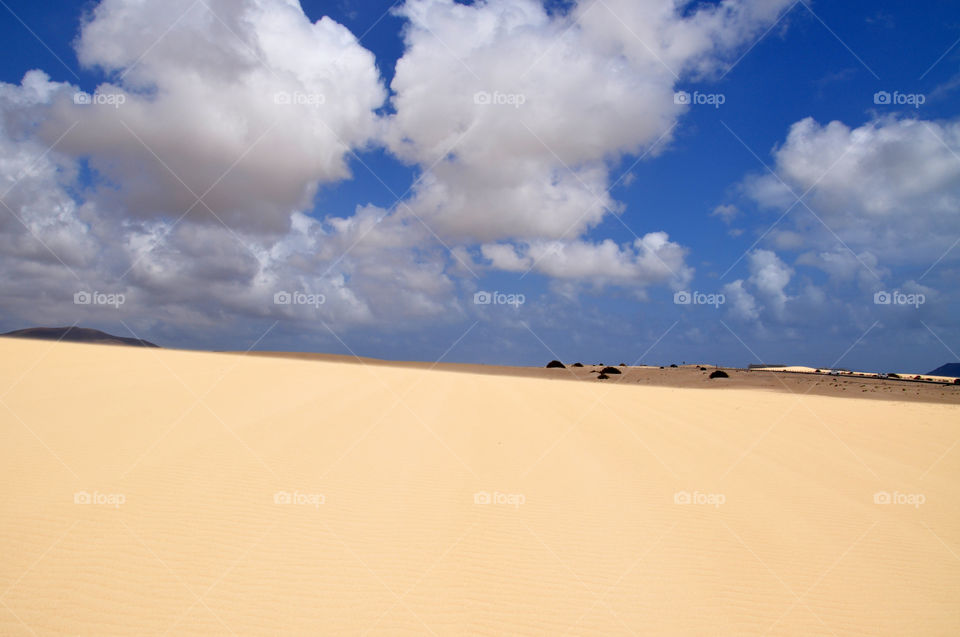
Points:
(950, 369)
(577, 365)
(661, 367)
(702, 369)
(673, 365)
(719, 374)
(602, 377)
(610, 370)
(77, 335)
(557, 364)
(623, 364)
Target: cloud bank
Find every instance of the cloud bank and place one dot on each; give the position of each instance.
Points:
(189, 182)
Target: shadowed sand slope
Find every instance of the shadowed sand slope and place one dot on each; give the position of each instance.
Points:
(153, 492)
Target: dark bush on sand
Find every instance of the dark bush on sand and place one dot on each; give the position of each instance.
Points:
(673, 365)
(610, 370)
(602, 377)
(558, 364)
(623, 364)
(577, 365)
(956, 381)
(719, 374)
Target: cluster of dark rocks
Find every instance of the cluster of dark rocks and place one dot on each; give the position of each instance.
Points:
(603, 374)
(606, 372)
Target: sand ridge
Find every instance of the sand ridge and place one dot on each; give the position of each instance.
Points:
(793, 380)
(189, 493)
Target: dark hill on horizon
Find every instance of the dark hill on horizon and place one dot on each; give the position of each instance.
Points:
(950, 369)
(77, 335)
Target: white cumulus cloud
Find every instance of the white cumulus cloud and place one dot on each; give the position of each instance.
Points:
(887, 192)
(244, 103)
(514, 115)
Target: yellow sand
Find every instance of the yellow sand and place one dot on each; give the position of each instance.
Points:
(809, 370)
(189, 460)
(939, 379)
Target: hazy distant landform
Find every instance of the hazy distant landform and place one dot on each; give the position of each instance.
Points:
(77, 335)
(950, 369)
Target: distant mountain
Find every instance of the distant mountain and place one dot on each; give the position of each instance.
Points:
(950, 369)
(77, 335)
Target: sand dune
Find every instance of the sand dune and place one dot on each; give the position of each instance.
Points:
(233, 495)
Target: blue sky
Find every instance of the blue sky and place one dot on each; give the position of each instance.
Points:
(801, 289)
